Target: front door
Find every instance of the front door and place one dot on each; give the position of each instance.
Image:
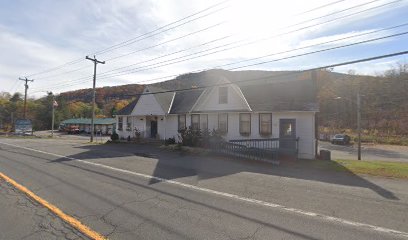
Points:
(287, 133)
(153, 129)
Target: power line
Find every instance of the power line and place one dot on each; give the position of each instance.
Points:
(260, 63)
(327, 49)
(344, 10)
(280, 75)
(142, 49)
(303, 28)
(280, 28)
(146, 48)
(313, 20)
(170, 28)
(171, 40)
(284, 74)
(172, 53)
(317, 8)
(135, 38)
(297, 55)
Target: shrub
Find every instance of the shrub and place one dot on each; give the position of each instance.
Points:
(170, 141)
(114, 137)
(190, 137)
(198, 138)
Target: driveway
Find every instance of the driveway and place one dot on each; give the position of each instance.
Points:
(375, 152)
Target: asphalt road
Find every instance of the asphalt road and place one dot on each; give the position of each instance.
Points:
(23, 218)
(120, 191)
(368, 152)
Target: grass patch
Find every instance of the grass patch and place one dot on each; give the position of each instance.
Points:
(374, 168)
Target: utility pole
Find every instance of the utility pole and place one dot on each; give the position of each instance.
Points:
(25, 94)
(93, 94)
(53, 105)
(359, 124)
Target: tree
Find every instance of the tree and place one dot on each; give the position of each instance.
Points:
(16, 97)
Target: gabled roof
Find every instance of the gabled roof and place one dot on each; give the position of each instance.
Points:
(184, 101)
(295, 95)
(163, 97)
(261, 91)
(127, 110)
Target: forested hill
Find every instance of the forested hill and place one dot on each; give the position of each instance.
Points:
(384, 102)
(104, 94)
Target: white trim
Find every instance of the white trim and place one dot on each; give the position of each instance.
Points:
(196, 102)
(171, 103)
(242, 95)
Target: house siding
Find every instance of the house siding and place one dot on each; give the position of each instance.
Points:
(147, 105)
(210, 102)
(168, 127)
(305, 130)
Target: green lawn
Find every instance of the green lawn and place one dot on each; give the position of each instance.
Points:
(374, 168)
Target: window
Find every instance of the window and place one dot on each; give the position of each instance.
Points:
(204, 122)
(181, 122)
(245, 123)
(223, 95)
(265, 123)
(195, 122)
(129, 124)
(120, 123)
(223, 122)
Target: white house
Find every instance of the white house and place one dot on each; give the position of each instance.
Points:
(279, 107)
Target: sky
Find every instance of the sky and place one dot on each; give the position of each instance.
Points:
(145, 41)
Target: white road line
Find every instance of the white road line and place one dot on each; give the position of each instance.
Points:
(228, 195)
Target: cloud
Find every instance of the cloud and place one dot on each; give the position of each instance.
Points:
(56, 32)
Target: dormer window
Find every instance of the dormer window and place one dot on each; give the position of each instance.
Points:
(223, 95)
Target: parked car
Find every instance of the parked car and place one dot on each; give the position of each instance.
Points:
(72, 130)
(342, 139)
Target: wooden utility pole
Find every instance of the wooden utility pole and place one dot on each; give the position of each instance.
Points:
(25, 94)
(53, 105)
(359, 124)
(93, 94)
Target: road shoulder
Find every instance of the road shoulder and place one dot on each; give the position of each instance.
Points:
(22, 218)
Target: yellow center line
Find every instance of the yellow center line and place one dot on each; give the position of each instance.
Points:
(65, 217)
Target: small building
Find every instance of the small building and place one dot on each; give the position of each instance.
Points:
(282, 108)
(103, 125)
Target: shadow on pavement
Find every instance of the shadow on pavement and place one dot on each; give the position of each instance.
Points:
(175, 164)
(103, 197)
